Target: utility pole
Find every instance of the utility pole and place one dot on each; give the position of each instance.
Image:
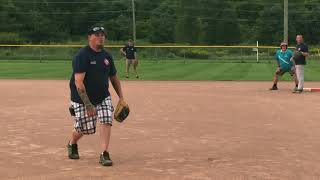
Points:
(285, 20)
(134, 21)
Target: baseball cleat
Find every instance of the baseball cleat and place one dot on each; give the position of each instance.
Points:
(73, 151)
(105, 159)
(298, 91)
(273, 88)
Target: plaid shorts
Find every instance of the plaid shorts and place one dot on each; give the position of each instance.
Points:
(87, 125)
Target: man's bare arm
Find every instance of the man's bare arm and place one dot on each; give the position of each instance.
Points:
(305, 54)
(117, 86)
(122, 52)
(79, 77)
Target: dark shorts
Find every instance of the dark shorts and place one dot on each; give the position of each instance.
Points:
(131, 61)
(87, 125)
(130, 57)
(283, 71)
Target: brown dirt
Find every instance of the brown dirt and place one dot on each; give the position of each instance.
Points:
(177, 130)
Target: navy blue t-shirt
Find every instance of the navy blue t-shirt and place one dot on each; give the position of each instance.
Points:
(130, 51)
(98, 66)
(301, 60)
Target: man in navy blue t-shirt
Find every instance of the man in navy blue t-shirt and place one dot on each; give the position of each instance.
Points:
(90, 97)
(130, 52)
(302, 52)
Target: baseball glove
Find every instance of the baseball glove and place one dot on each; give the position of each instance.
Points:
(297, 55)
(122, 111)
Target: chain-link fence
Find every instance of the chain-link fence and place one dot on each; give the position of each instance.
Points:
(241, 54)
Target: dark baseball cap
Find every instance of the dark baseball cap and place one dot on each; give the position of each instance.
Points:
(96, 29)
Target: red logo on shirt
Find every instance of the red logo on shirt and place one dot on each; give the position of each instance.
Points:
(106, 61)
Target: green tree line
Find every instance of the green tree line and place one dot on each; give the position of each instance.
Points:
(164, 21)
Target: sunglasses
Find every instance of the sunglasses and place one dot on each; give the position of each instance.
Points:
(95, 29)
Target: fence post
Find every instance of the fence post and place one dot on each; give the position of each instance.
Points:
(241, 59)
(269, 55)
(40, 55)
(184, 56)
(156, 55)
(257, 51)
(10, 52)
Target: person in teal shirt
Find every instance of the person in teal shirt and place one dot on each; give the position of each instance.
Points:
(285, 64)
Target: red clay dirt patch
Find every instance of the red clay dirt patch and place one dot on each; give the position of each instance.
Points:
(176, 130)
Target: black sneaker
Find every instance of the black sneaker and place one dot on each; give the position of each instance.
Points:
(273, 88)
(73, 151)
(105, 159)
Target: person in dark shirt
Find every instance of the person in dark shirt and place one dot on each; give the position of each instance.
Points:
(93, 67)
(301, 53)
(130, 52)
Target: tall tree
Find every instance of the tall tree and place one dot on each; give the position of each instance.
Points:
(269, 27)
(162, 21)
(220, 24)
(188, 28)
(162, 24)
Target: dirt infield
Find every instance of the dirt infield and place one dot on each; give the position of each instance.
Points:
(177, 130)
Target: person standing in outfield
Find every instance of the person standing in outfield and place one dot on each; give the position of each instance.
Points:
(90, 97)
(299, 58)
(283, 57)
(130, 52)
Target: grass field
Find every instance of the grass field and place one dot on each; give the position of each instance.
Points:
(159, 70)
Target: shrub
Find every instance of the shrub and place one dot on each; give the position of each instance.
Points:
(10, 38)
(194, 54)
